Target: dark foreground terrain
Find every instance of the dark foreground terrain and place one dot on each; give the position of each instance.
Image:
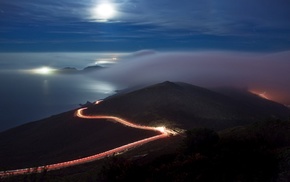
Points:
(60, 138)
(229, 135)
(257, 152)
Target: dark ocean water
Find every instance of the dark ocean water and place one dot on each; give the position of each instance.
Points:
(25, 97)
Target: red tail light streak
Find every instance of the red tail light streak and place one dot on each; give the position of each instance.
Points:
(164, 132)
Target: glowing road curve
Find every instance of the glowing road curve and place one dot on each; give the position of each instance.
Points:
(79, 113)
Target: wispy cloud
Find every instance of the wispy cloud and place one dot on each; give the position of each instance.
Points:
(264, 21)
(209, 17)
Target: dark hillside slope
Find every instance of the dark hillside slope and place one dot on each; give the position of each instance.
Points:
(254, 102)
(185, 106)
(60, 138)
(64, 137)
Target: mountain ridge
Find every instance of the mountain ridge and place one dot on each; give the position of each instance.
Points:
(175, 105)
(182, 101)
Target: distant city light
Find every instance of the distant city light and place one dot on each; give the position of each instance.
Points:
(43, 70)
(260, 94)
(107, 60)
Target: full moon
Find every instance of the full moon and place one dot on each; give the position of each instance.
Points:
(105, 11)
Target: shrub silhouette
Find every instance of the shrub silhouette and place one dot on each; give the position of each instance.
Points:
(200, 140)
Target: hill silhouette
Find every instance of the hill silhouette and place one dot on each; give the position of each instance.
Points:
(73, 70)
(60, 138)
(177, 105)
(186, 106)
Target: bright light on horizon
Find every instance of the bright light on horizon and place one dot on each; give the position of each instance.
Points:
(112, 60)
(260, 94)
(43, 70)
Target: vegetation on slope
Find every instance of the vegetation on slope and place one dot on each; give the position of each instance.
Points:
(258, 152)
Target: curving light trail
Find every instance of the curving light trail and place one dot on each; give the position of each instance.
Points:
(161, 129)
(79, 113)
(81, 160)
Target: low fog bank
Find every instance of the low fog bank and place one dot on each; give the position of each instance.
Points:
(261, 72)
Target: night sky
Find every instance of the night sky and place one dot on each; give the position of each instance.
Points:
(65, 25)
(207, 43)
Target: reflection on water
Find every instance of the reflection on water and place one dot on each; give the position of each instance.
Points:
(26, 97)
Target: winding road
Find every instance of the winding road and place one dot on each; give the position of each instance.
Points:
(80, 113)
